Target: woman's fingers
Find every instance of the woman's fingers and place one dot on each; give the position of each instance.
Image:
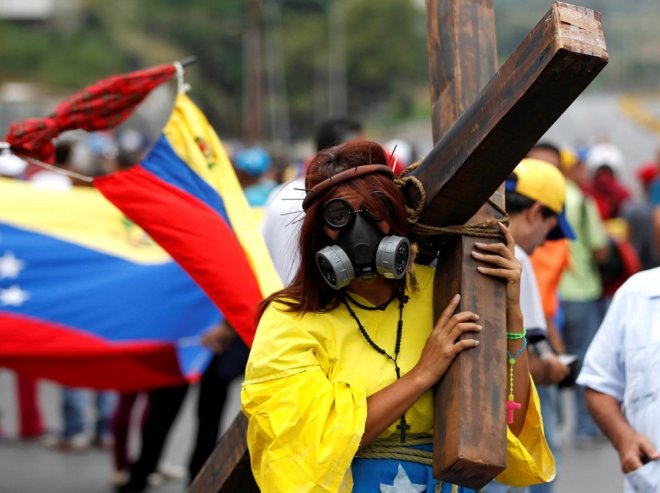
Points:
(460, 329)
(456, 319)
(506, 274)
(499, 249)
(494, 259)
(449, 310)
(508, 237)
(465, 344)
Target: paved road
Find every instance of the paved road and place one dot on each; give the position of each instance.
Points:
(29, 467)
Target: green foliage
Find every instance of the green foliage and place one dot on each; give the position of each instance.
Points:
(78, 60)
(385, 44)
(386, 51)
(387, 56)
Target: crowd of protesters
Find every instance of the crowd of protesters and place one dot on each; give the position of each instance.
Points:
(617, 234)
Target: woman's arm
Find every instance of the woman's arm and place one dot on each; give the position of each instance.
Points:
(389, 404)
(514, 323)
(505, 265)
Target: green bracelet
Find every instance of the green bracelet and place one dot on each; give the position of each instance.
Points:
(515, 336)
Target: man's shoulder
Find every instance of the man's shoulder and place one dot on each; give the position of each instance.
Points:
(645, 283)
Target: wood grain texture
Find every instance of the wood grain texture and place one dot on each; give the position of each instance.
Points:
(480, 137)
(228, 470)
(553, 65)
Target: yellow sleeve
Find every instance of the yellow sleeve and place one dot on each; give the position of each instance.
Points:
(303, 428)
(528, 457)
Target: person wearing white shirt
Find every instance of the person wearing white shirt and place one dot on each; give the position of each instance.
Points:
(283, 212)
(535, 194)
(620, 373)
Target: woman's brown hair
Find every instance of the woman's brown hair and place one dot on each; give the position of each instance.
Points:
(308, 292)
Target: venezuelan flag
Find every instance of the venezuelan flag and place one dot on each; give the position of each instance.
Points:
(186, 196)
(87, 299)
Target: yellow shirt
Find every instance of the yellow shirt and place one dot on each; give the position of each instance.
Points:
(306, 385)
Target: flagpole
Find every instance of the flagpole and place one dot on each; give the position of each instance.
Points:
(55, 169)
(189, 60)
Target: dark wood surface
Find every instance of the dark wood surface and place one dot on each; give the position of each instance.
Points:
(468, 449)
(480, 137)
(228, 470)
(548, 71)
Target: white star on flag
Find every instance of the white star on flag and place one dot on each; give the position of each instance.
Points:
(13, 296)
(10, 266)
(402, 484)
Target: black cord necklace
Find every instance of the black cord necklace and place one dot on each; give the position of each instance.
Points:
(403, 299)
(381, 307)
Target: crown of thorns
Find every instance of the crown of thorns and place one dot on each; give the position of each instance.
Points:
(345, 175)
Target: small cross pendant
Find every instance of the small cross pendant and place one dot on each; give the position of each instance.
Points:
(402, 427)
(511, 406)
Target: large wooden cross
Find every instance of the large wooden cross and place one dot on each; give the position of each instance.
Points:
(483, 125)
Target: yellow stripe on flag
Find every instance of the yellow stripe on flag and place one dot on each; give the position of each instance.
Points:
(81, 216)
(196, 143)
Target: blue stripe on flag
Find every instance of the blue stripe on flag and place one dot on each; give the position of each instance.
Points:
(104, 295)
(164, 162)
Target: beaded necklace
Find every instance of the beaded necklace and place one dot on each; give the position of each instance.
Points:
(403, 299)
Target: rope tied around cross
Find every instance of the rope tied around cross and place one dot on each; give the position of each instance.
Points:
(485, 229)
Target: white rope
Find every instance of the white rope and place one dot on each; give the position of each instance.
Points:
(181, 85)
(55, 169)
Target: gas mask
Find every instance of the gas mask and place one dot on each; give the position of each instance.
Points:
(362, 250)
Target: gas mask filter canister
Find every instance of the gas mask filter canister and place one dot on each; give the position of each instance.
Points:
(362, 251)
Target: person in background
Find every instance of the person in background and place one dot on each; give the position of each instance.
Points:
(548, 262)
(283, 212)
(164, 404)
(654, 186)
(642, 229)
(251, 167)
(620, 377)
(535, 194)
(605, 162)
(581, 288)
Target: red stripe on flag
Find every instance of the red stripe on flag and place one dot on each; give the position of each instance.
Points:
(195, 236)
(46, 350)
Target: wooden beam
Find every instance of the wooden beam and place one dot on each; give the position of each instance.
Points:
(227, 470)
(548, 71)
(485, 135)
(462, 59)
(462, 56)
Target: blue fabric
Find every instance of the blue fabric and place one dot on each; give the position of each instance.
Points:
(257, 194)
(108, 296)
(165, 163)
(654, 192)
(369, 474)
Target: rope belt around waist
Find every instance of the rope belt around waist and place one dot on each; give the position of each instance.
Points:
(392, 448)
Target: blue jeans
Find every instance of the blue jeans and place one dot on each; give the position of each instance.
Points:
(73, 412)
(581, 322)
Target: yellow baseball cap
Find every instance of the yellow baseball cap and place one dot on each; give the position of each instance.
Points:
(544, 183)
